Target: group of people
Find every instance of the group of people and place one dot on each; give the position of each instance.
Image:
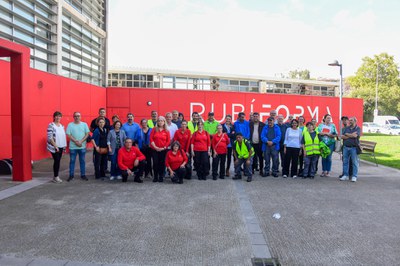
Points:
(171, 145)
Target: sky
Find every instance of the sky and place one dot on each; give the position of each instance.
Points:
(252, 37)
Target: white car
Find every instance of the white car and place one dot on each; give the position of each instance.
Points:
(391, 129)
(369, 127)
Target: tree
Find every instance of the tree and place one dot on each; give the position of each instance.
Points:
(299, 74)
(363, 85)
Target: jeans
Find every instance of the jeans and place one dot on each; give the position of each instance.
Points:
(327, 162)
(350, 152)
(72, 155)
(247, 167)
(57, 158)
(115, 171)
(310, 165)
(219, 160)
(271, 153)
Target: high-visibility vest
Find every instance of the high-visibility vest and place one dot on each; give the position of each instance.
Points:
(242, 151)
(150, 123)
(192, 128)
(311, 146)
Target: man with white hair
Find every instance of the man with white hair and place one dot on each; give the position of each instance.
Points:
(171, 126)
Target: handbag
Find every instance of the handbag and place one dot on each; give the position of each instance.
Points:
(338, 145)
(103, 150)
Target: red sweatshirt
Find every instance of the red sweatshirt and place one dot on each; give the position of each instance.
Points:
(222, 147)
(126, 159)
(201, 141)
(160, 138)
(175, 160)
(183, 138)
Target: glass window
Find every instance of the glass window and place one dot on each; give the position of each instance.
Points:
(23, 24)
(5, 29)
(114, 75)
(76, 67)
(181, 79)
(43, 33)
(41, 43)
(122, 76)
(76, 59)
(5, 3)
(23, 36)
(23, 13)
(44, 3)
(129, 83)
(287, 86)
(5, 16)
(42, 12)
(27, 3)
(234, 82)
(167, 79)
(167, 85)
(278, 85)
(66, 64)
(244, 83)
(40, 65)
(129, 76)
(181, 86)
(41, 54)
(254, 84)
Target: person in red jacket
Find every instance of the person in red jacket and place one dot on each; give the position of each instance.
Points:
(176, 161)
(160, 140)
(219, 144)
(183, 136)
(201, 151)
(131, 159)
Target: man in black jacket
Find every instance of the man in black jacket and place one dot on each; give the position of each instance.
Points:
(256, 127)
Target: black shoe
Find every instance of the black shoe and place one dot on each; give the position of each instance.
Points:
(160, 180)
(249, 179)
(84, 178)
(265, 174)
(214, 178)
(70, 178)
(252, 171)
(236, 177)
(222, 177)
(275, 175)
(312, 177)
(138, 180)
(155, 180)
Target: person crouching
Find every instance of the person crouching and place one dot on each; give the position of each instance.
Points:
(176, 161)
(130, 159)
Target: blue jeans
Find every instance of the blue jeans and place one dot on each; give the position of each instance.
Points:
(82, 166)
(350, 152)
(271, 153)
(247, 167)
(327, 162)
(115, 171)
(310, 165)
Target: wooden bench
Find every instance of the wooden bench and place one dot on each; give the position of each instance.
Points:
(368, 147)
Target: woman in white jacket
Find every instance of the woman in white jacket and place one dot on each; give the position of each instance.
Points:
(292, 149)
(56, 143)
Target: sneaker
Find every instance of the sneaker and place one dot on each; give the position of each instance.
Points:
(84, 178)
(284, 176)
(54, 180)
(344, 178)
(322, 174)
(112, 178)
(58, 179)
(294, 177)
(327, 174)
(119, 177)
(70, 178)
(354, 179)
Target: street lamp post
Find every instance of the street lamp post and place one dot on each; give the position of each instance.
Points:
(336, 63)
(376, 90)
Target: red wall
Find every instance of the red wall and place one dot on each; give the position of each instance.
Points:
(56, 94)
(123, 100)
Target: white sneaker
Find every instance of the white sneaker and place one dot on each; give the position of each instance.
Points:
(284, 176)
(119, 177)
(344, 178)
(57, 180)
(354, 179)
(112, 178)
(295, 176)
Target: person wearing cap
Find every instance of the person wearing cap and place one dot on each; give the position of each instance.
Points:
(243, 153)
(242, 126)
(256, 127)
(271, 136)
(210, 125)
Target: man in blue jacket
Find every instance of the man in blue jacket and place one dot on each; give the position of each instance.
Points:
(242, 126)
(270, 137)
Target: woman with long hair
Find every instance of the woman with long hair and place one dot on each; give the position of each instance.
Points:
(201, 151)
(183, 136)
(144, 145)
(292, 144)
(99, 140)
(327, 131)
(229, 129)
(115, 140)
(160, 139)
(56, 143)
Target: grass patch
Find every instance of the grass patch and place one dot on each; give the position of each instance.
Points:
(387, 150)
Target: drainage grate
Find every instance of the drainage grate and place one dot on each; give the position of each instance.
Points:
(264, 262)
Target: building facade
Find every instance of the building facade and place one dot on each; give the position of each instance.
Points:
(66, 37)
(167, 79)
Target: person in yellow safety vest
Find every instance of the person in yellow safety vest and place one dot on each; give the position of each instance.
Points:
(310, 144)
(193, 125)
(153, 121)
(243, 153)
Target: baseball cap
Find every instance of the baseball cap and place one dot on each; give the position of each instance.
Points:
(211, 113)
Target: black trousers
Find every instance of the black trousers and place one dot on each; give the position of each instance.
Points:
(291, 158)
(147, 153)
(158, 164)
(258, 156)
(100, 162)
(138, 170)
(282, 155)
(202, 164)
(57, 159)
(219, 160)
(179, 174)
(301, 164)
(229, 158)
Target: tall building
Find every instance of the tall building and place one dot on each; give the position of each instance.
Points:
(66, 37)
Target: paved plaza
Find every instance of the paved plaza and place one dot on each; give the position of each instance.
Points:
(225, 222)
